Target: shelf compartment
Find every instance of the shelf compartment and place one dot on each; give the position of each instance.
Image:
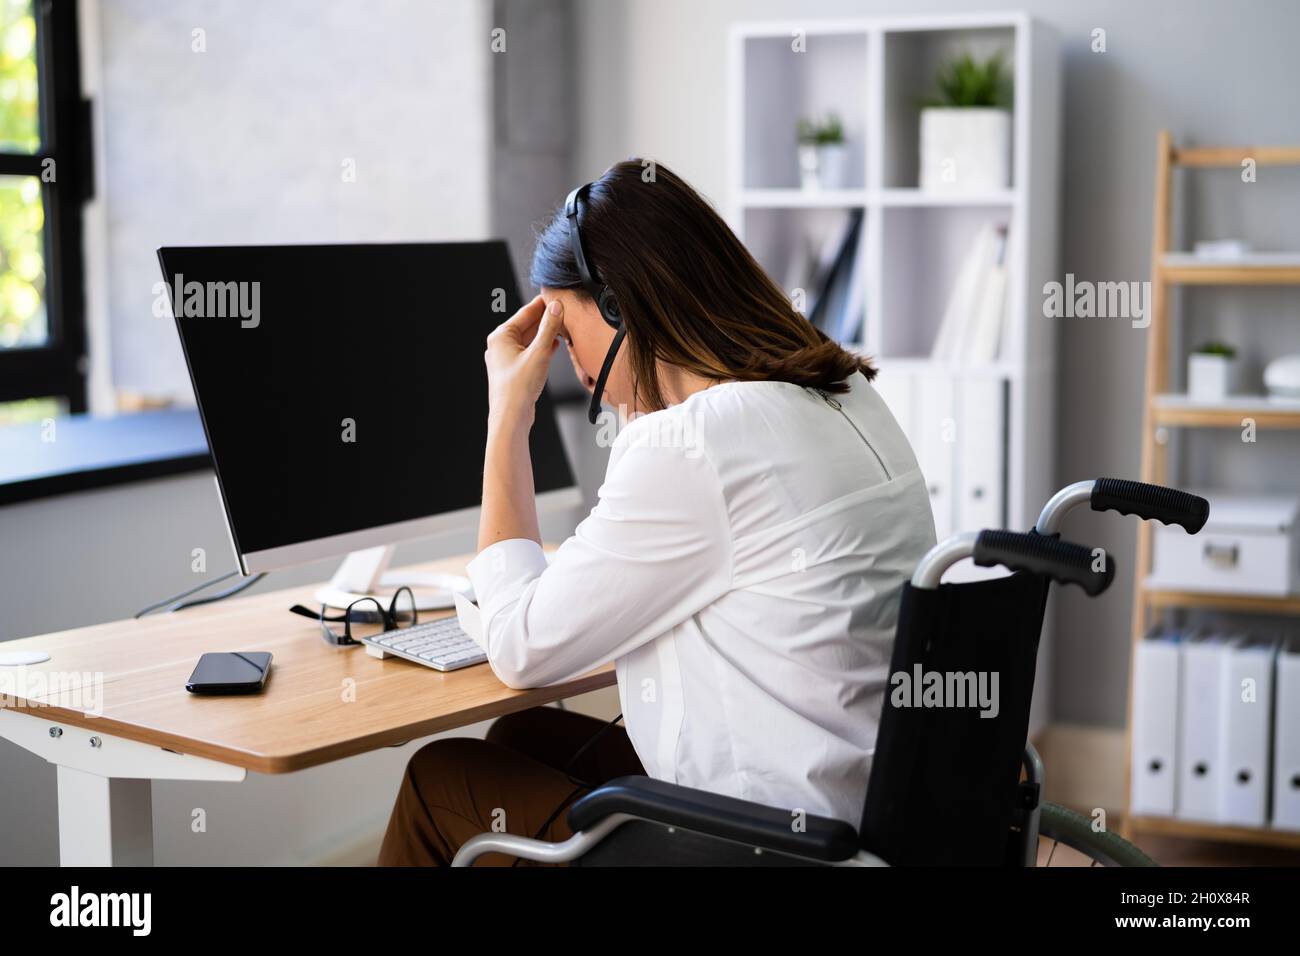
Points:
(790, 243)
(911, 61)
(782, 86)
(923, 250)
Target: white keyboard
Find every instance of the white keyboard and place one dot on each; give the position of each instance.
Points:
(440, 644)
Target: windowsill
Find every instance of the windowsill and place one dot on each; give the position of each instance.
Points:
(89, 453)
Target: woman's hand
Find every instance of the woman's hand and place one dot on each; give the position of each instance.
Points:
(518, 357)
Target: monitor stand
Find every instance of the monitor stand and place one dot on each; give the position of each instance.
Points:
(365, 574)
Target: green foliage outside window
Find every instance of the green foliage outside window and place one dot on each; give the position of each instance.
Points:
(20, 128)
(22, 212)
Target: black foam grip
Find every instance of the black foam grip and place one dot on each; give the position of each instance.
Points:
(1062, 561)
(1168, 505)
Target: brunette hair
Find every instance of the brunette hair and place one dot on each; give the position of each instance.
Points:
(689, 292)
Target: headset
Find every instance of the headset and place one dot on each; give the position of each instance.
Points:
(604, 296)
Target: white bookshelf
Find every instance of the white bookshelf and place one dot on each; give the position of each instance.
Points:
(984, 435)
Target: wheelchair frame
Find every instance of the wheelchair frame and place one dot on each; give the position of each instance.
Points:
(1126, 497)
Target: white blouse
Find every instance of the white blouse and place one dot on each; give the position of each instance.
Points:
(742, 568)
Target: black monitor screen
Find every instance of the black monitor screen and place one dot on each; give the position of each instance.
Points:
(342, 387)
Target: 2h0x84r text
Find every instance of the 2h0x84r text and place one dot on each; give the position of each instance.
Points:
(1195, 898)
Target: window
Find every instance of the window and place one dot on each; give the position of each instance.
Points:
(45, 177)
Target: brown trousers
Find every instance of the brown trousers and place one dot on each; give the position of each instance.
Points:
(459, 787)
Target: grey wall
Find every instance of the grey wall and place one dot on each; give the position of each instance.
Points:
(652, 81)
(246, 142)
(534, 126)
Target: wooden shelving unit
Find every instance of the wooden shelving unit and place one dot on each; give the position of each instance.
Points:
(1218, 832)
(1165, 410)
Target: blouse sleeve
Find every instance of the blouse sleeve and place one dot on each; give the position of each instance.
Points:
(654, 551)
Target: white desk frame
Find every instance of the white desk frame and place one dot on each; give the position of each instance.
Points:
(105, 785)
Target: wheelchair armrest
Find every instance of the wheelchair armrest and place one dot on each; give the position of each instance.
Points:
(728, 818)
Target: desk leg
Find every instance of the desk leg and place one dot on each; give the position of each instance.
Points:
(105, 786)
(104, 821)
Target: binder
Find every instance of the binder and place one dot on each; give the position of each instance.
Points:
(1155, 725)
(1286, 739)
(980, 450)
(935, 436)
(895, 388)
(1202, 678)
(963, 299)
(1244, 733)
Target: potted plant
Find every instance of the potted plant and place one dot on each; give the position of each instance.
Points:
(966, 127)
(821, 153)
(1211, 372)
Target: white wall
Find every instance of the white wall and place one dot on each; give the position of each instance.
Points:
(246, 142)
(652, 78)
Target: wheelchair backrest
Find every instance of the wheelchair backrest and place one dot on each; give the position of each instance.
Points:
(945, 773)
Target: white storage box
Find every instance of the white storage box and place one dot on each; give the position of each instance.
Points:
(1248, 546)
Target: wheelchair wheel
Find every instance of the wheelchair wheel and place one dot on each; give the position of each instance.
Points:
(1061, 827)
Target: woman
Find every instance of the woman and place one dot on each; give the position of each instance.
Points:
(742, 568)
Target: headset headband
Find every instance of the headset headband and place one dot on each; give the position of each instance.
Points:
(594, 288)
(601, 293)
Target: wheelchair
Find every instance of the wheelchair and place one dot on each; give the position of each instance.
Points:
(948, 787)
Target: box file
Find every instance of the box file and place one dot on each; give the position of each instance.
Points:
(1286, 739)
(1155, 725)
(1244, 733)
(1202, 681)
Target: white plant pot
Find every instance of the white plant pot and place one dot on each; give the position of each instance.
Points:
(1210, 378)
(822, 167)
(965, 149)
(831, 163)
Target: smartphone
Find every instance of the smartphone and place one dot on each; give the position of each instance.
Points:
(237, 672)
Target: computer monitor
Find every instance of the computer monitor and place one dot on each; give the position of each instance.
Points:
(344, 396)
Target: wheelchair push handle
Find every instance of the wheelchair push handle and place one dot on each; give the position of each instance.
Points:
(1061, 561)
(1167, 505)
(1126, 497)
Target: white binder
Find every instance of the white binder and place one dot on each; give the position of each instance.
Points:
(1244, 734)
(895, 388)
(1155, 726)
(1200, 714)
(936, 434)
(1286, 740)
(981, 426)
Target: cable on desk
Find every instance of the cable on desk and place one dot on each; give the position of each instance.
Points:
(221, 596)
(177, 602)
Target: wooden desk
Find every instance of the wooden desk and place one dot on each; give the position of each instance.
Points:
(132, 721)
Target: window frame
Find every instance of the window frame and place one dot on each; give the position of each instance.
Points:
(59, 368)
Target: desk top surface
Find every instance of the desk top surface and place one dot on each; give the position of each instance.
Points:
(321, 702)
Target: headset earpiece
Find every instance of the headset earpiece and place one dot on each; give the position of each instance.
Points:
(609, 309)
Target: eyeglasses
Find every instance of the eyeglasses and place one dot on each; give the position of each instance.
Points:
(364, 617)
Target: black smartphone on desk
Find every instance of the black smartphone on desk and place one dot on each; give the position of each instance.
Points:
(237, 672)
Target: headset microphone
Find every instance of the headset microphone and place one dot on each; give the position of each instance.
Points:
(601, 293)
